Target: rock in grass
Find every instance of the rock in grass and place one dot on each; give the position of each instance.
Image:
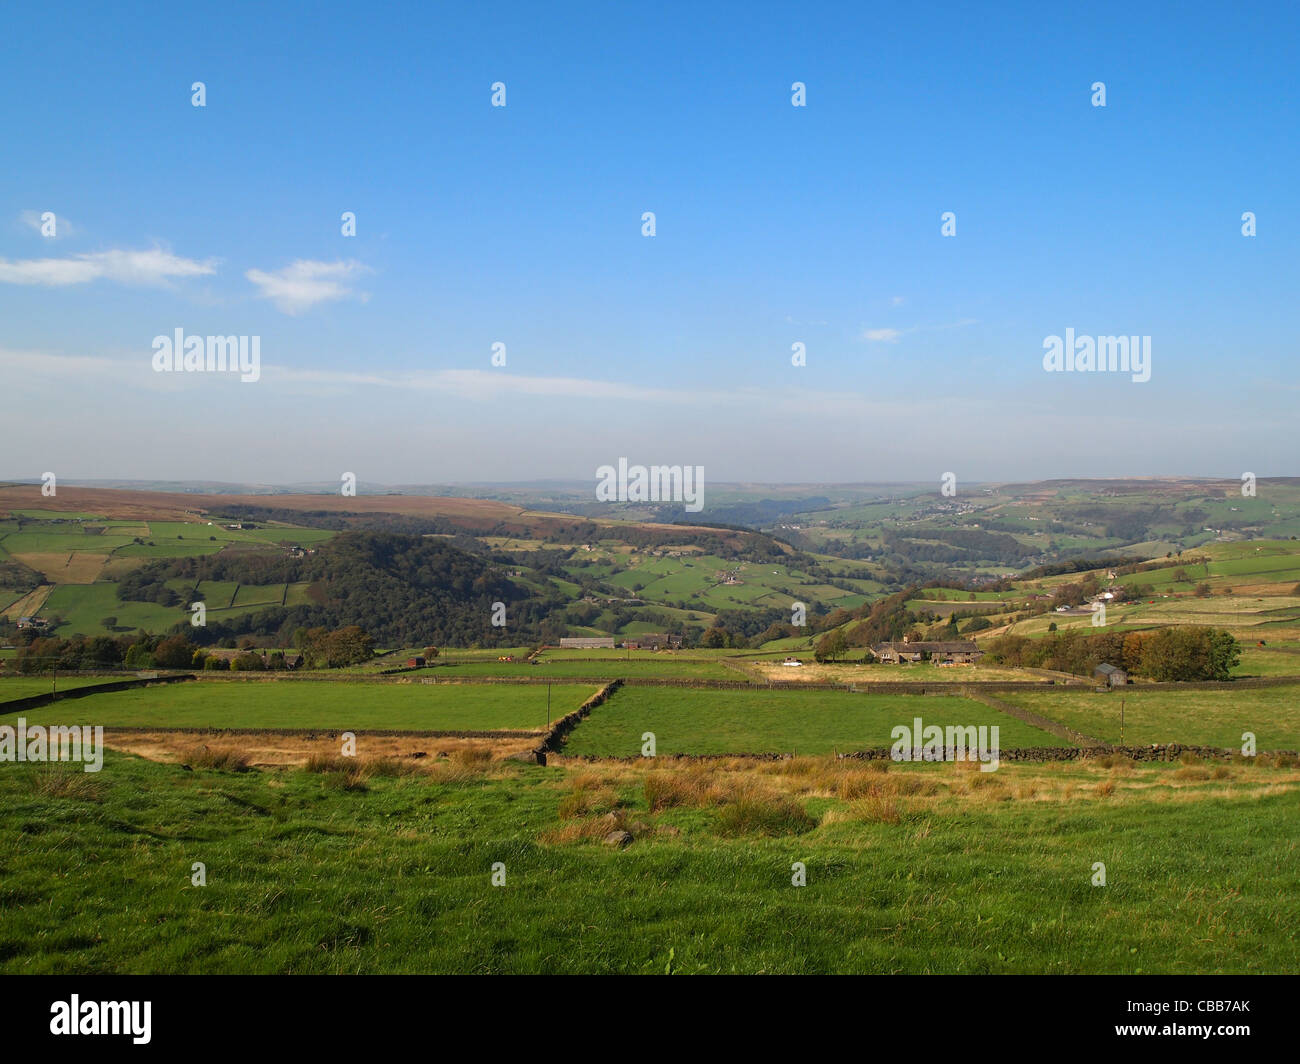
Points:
(531, 757)
(618, 838)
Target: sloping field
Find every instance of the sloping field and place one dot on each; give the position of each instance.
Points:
(83, 608)
(66, 567)
(29, 605)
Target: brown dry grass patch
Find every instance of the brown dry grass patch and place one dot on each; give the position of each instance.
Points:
(293, 751)
(221, 758)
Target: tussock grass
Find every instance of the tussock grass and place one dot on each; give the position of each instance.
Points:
(594, 828)
(352, 779)
(391, 767)
(750, 803)
(329, 763)
(587, 794)
(769, 814)
(58, 781)
(225, 759)
(361, 768)
(463, 765)
(694, 786)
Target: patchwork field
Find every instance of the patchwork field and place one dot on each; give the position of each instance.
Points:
(1207, 718)
(81, 555)
(308, 704)
(687, 721)
(72, 567)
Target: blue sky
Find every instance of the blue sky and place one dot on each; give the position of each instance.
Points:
(522, 225)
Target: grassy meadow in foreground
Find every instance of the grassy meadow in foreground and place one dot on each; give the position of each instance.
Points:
(918, 869)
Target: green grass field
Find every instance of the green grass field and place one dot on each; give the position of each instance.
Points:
(12, 687)
(304, 877)
(289, 703)
(687, 721)
(1268, 661)
(84, 606)
(1202, 718)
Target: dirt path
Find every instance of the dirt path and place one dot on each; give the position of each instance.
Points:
(29, 604)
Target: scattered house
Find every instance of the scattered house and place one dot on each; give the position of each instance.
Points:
(587, 643)
(653, 641)
(792, 662)
(416, 662)
(953, 652)
(33, 622)
(1111, 675)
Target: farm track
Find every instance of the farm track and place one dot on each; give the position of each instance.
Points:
(30, 603)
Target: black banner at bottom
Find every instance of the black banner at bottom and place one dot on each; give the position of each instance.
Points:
(810, 1013)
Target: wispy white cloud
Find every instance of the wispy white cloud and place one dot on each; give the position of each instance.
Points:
(96, 373)
(301, 285)
(155, 266)
(890, 336)
(56, 227)
(38, 363)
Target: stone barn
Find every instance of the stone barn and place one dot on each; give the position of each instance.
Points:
(1110, 675)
